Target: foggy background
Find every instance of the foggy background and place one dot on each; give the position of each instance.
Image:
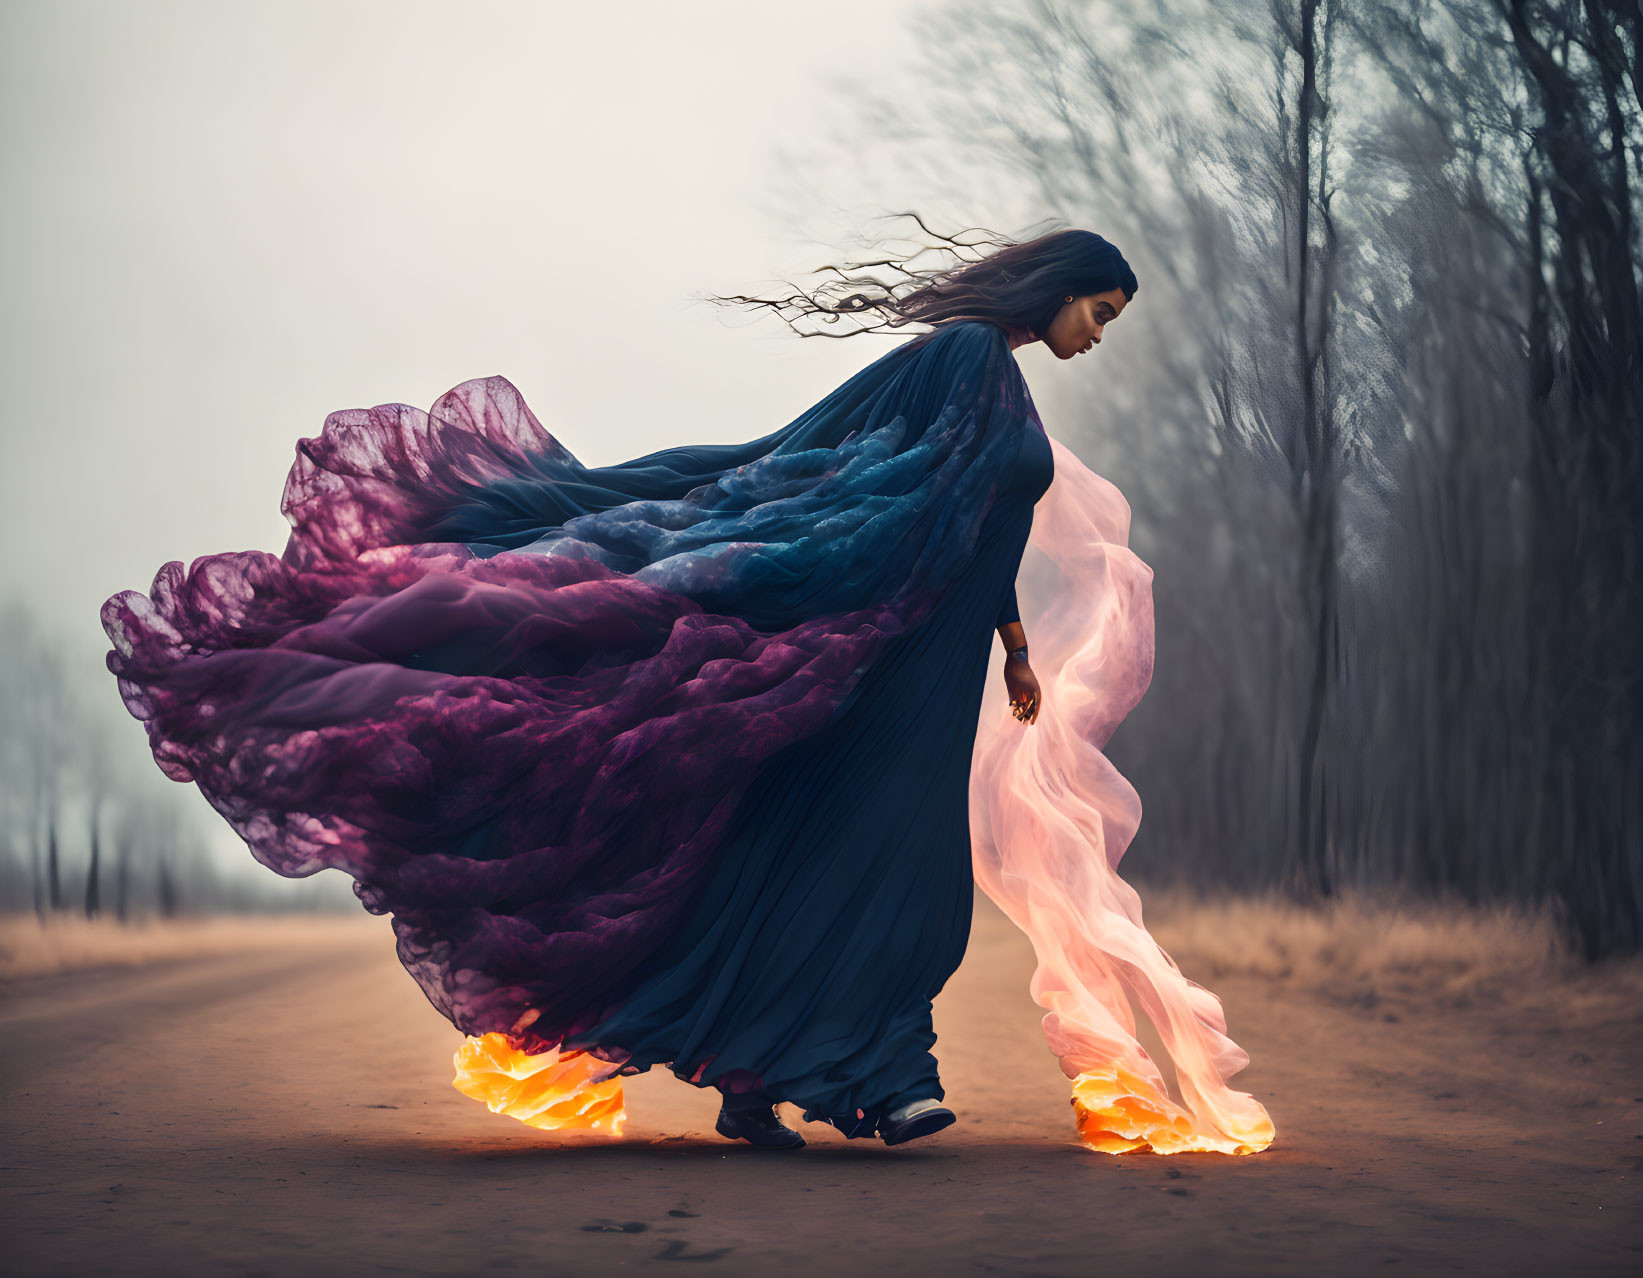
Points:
(1375, 405)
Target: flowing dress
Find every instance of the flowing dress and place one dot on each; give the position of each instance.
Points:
(841, 895)
(677, 761)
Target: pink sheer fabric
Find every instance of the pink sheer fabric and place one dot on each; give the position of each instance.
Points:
(1050, 819)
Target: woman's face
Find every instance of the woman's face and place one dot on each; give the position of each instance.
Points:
(1077, 326)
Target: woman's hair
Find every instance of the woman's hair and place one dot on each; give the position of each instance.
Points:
(1014, 284)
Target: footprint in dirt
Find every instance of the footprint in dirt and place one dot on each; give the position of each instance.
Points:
(677, 1250)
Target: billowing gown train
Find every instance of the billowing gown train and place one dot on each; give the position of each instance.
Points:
(677, 761)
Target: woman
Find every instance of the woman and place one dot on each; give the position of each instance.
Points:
(670, 761)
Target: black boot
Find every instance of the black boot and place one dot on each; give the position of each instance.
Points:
(758, 1126)
(914, 1119)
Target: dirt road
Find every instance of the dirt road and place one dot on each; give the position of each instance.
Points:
(269, 1112)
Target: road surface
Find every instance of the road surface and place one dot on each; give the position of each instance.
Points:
(277, 1112)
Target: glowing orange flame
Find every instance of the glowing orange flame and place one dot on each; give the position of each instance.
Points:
(549, 1090)
(1119, 1112)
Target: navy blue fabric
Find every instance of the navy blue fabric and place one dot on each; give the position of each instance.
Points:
(840, 900)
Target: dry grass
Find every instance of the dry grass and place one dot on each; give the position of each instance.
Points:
(1362, 949)
(1356, 949)
(30, 946)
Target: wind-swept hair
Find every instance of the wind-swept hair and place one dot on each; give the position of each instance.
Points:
(987, 276)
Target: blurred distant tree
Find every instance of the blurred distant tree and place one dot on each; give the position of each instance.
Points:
(97, 778)
(122, 875)
(34, 748)
(54, 877)
(1586, 383)
(1312, 443)
(1519, 127)
(61, 772)
(166, 888)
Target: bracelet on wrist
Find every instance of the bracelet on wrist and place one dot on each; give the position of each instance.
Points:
(1018, 654)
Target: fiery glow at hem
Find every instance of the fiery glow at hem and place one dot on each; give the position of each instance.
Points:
(1116, 1110)
(550, 1090)
(1119, 1112)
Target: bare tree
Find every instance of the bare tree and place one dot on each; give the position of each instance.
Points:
(34, 745)
(95, 765)
(1529, 106)
(71, 759)
(122, 876)
(1312, 445)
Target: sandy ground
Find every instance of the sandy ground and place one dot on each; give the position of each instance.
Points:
(1446, 1100)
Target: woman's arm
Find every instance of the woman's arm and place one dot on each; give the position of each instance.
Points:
(1018, 671)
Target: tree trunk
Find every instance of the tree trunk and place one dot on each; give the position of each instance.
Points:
(167, 889)
(54, 882)
(94, 872)
(122, 878)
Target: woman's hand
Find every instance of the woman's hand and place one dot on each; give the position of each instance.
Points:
(1024, 694)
